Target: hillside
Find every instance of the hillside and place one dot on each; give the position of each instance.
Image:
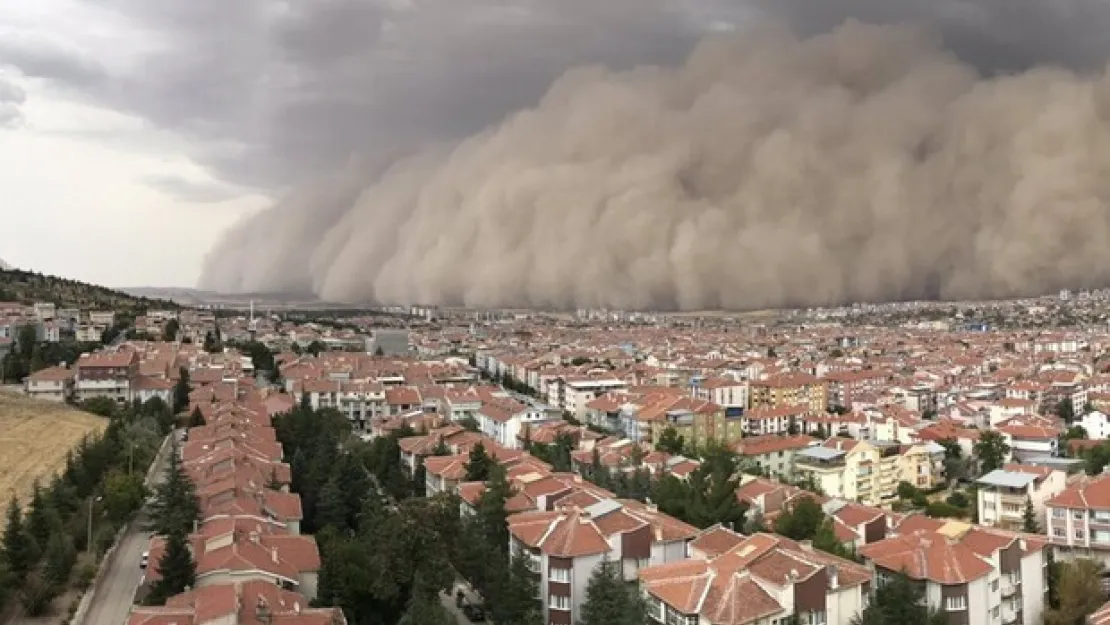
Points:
(28, 287)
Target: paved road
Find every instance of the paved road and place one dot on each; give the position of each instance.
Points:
(115, 594)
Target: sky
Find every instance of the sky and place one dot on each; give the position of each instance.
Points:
(135, 133)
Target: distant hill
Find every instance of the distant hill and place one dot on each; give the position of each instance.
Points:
(29, 287)
(272, 301)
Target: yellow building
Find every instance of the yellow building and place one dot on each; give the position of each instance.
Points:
(698, 422)
(788, 390)
(922, 465)
(862, 471)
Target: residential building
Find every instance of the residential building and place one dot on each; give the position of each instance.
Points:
(51, 384)
(974, 575)
(697, 422)
(1003, 493)
(572, 395)
(789, 389)
(236, 603)
(85, 333)
(730, 394)
(922, 465)
(44, 311)
(1097, 425)
(1077, 520)
(239, 550)
(760, 579)
(771, 454)
(106, 374)
(102, 318)
(567, 543)
(864, 471)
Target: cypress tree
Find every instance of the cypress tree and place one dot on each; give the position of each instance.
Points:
(19, 549)
(609, 601)
(176, 567)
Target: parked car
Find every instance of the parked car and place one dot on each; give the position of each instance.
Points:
(144, 560)
(473, 613)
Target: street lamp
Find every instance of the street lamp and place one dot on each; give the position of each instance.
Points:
(89, 544)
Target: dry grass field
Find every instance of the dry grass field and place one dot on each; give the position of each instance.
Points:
(34, 438)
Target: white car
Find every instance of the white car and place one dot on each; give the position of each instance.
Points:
(143, 561)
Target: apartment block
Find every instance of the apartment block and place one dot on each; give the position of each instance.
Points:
(864, 471)
(566, 545)
(51, 384)
(106, 374)
(1003, 493)
(1077, 520)
(974, 575)
(773, 455)
(755, 580)
(237, 603)
(789, 389)
(730, 394)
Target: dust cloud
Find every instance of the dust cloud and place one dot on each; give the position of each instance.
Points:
(864, 164)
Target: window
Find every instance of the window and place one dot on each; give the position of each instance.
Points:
(559, 602)
(1059, 513)
(1077, 515)
(559, 575)
(1079, 534)
(994, 586)
(655, 607)
(953, 604)
(818, 618)
(994, 612)
(1058, 532)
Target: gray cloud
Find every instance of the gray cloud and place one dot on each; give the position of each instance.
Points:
(319, 99)
(191, 190)
(12, 96)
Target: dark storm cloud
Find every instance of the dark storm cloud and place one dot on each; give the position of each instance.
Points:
(288, 90)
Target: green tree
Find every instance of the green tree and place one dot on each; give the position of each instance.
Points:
(123, 494)
(175, 506)
(332, 507)
(469, 423)
(899, 601)
(38, 521)
(1066, 410)
(19, 548)
(60, 556)
(609, 601)
(712, 491)
(825, 539)
(170, 330)
(670, 442)
(518, 596)
(992, 450)
(103, 406)
(1078, 592)
(479, 464)
(425, 609)
(181, 391)
(802, 521)
(176, 568)
(196, 418)
(1029, 518)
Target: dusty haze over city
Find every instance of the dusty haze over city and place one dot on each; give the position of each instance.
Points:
(631, 153)
(781, 164)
